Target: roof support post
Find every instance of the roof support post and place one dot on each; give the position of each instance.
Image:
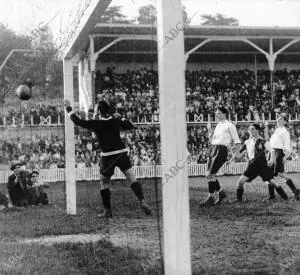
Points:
(255, 69)
(254, 46)
(95, 55)
(287, 45)
(196, 48)
(271, 57)
(93, 60)
(93, 69)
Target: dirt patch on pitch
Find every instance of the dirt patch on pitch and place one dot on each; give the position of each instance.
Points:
(120, 239)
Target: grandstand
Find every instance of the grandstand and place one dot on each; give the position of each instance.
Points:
(253, 71)
(132, 86)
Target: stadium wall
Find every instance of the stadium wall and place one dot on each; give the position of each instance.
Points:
(123, 67)
(195, 170)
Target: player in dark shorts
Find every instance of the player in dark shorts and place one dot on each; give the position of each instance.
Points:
(256, 148)
(114, 153)
(280, 142)
(224, 134)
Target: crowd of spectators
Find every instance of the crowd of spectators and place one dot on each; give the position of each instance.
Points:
(134, 94)
(143, 142)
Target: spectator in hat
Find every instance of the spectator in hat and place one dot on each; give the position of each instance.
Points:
(16, 187)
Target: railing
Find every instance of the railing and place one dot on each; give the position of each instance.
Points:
(29, 121)
(92, 174)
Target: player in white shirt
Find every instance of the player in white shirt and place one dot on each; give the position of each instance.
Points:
(280, 142)
(224, 134)
(256, 148)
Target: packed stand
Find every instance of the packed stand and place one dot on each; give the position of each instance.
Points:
(134, 94)
(143, 143)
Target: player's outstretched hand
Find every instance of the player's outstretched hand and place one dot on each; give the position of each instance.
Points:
(117, 115)
(67, 103)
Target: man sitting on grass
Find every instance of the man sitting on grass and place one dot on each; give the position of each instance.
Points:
(16, 186)
(37, 194)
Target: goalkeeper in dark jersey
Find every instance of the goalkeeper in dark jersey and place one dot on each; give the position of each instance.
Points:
(113, 152)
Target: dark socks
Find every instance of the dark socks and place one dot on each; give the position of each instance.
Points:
(291, 185)
(211, 186)
(271, 191)
(105, 194)
(217, 185)
(136, 187)
(281, 192)
(239, 193)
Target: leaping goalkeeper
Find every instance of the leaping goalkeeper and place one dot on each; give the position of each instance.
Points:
(113, 153)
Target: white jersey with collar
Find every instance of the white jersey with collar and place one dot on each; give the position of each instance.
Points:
(225, 133)
(281, 139)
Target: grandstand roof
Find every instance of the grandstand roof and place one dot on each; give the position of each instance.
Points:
(137, 42)
(226, 44)
(126, 29)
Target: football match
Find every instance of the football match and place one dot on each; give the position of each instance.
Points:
(150, 137)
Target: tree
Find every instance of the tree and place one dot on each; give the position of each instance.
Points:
(219, 20)
(10, 41)
(37, 66)
(114, 15)
(147, 15)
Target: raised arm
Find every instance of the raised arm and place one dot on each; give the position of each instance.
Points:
(76, 120)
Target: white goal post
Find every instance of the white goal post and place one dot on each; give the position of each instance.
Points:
(175, 191)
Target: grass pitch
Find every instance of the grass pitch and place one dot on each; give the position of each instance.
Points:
(256, 237)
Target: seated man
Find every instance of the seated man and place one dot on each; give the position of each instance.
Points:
(16, 186)
(37, 194)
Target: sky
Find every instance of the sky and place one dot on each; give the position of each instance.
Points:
(24, 15)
